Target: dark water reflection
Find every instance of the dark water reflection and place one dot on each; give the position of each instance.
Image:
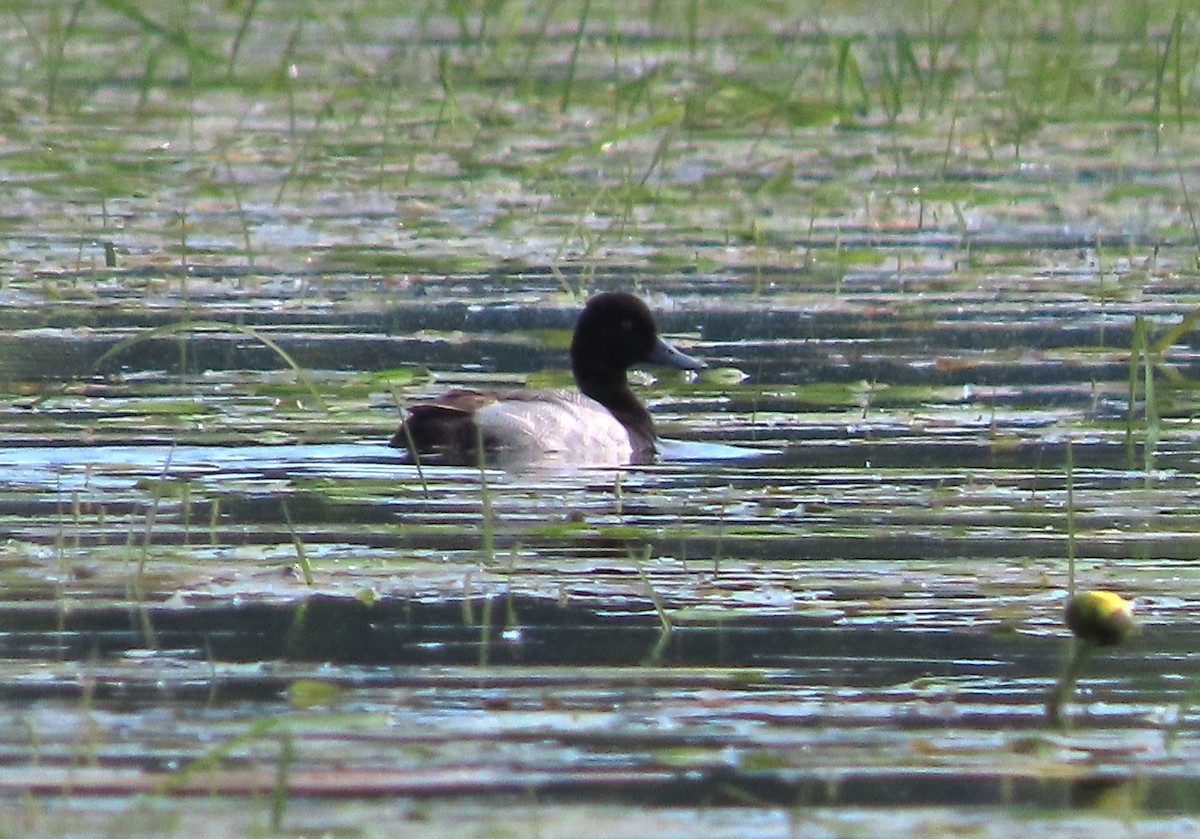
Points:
(517, 631)
(574, 708)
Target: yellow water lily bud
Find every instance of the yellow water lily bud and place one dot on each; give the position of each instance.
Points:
(1100, 617)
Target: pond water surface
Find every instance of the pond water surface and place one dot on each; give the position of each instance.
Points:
(945, 376)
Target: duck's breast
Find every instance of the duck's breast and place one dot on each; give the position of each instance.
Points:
(554, 427)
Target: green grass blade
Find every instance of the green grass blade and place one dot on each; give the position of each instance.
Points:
(1136, 351)
(214, 326)
(573, 62)
(1172, 335)
(666, 118)
(175, 37)
(211, 759)
(850, 75)
(298, 544)
(1070, 519)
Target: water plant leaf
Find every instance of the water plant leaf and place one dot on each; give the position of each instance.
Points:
(308, 693)
(407, 375)
(724, 376)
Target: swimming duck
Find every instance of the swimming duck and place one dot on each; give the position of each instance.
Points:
(603, 424)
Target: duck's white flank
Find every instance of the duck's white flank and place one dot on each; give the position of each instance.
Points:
(555, 426)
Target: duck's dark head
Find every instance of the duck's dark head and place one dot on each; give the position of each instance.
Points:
(616, 331)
